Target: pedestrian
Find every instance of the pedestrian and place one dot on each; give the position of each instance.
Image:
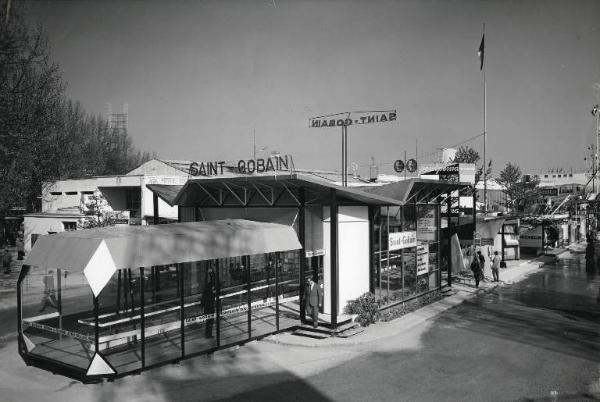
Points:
(20, 248)
(49, 297)
(477, 271)
(496, 267)
(208, 302)
(481, 264)
(6, 260)
(313, 300)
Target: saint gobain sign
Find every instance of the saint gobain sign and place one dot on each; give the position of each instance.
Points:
(352, 118)
(214, 168)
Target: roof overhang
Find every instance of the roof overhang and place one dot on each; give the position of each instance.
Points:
(417, 190)
(272, 191)
(100, 252)
(165, 192)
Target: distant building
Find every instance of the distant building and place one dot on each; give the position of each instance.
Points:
(67, 203)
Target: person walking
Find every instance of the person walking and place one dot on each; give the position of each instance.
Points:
(208, 302)
(481, 264)
(49, 297)
(313, 300)
(496, 266)
(6, 260)
(477, 270)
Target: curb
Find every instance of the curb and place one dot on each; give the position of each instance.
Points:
(462, 293)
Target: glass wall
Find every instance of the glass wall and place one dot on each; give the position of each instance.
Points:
(55, 305)
(141, 312)
(403, 273)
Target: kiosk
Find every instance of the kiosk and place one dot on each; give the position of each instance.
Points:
(106, 302)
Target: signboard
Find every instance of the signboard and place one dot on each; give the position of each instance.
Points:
(449, 172)
(400, 240)
(422, 260)
(398, 166)
(315, 253)
(411, 165)
(214, 168)
(551, 192)
(352, 118)
(426, 228)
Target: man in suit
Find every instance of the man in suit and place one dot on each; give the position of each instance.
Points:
(313, 299)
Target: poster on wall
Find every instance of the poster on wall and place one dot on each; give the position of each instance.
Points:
(426, 228)
(422, 260)
(400, 240)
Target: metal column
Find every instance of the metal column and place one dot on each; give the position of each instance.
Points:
(302, 239)
(334, 257)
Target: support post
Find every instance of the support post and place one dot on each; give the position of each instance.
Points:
(59, 300)
(502, 242)
(218, 302)
(302, 239)
(119, 284)
(371, 249)
(334, 256)
(155, 207)
(246, 258)
(181, 310)
(142, 318)
(449, 257)
(276, 263)
(96, 326)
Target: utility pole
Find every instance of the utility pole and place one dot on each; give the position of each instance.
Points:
(596, 113)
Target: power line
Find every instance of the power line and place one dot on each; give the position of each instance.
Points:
(431, 153)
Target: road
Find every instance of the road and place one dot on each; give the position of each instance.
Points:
(538, 339)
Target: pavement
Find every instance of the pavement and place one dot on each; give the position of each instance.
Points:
(455, 295)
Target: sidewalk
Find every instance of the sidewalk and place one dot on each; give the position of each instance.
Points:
(515, 271)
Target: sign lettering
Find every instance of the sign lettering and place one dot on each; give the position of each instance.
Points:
(250, 166)
(400, 240)
(422, 260)
(352, 118)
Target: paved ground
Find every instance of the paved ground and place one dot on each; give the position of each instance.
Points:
(285, 367)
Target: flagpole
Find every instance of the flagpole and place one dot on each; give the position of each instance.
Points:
(484, 129)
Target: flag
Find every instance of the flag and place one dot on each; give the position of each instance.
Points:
(481, 51)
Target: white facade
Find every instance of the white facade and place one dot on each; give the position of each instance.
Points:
(353, 255)
(65, 202)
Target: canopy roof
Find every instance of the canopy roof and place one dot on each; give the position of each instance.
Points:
(271, 190)
(416, 190)
(166, 192)
(100, 252)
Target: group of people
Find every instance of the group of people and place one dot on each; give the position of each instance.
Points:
(478, 264)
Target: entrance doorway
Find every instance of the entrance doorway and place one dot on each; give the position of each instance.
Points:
(314, 267)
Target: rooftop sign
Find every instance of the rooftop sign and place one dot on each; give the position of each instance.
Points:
(352, 118)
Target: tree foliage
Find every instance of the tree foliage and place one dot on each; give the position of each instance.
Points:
(521, 196)
(44, 136)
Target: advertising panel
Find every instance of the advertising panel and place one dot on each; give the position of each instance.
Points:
(422, 260)
(400, 240)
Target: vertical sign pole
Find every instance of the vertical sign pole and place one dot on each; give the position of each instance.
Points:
(343, 156)
(346, 156)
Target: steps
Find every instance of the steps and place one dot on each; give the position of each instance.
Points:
(344, 330)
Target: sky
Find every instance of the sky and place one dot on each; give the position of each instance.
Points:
(202, 79)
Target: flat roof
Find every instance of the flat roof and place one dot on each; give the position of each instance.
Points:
(271, 190)
(416, 189)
